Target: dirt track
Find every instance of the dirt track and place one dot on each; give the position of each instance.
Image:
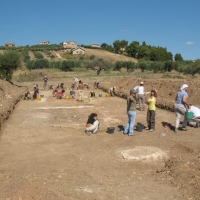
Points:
(45, 154)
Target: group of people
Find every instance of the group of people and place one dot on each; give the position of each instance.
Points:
(35, 95)
(138, 94)
(131, 110)
(76, 90)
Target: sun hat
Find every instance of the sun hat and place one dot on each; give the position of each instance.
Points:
(184, 86)
(141, 83)
(133, 91)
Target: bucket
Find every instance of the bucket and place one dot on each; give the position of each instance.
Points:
(139, 127)
(67, 97)
(107, 95)
(42, 95)
(188, 115)
(39, 98)
(110, 130)
(90, 99)
(100, 95)
(67, 88)
(121, 88)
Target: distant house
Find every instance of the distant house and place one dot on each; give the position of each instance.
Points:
(44, 42)
(69, 45)
(123, 48)
(95, 45)
(9, 44)
(78, 51)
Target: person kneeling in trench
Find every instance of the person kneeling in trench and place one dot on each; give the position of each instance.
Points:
(60, 94)
(92, 124)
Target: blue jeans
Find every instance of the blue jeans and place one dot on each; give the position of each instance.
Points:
(131, 120)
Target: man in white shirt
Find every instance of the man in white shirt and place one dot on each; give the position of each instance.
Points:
(141, 97)
(76, 82)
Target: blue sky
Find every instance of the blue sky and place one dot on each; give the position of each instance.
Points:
(174, 24)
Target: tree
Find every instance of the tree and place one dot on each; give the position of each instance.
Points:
(142, 66)
(117, 46)
(92, 57)
(10, 61)
(168, 66)
(192, 69)
(132, 49)
(178, 57)
(107, 47)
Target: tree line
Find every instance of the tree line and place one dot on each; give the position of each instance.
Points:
(142, 52)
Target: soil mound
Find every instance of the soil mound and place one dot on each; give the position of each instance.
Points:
(10, 95)
(167, 89)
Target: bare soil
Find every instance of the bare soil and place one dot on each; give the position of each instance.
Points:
(45, 154)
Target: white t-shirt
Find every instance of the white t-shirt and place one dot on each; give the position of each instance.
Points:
(135, 88)
(141, 90)
(195, 110)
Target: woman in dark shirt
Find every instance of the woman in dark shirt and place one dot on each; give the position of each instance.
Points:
(92, 124)
(131, 112)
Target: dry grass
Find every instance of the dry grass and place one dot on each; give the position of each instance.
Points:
(105, 55)
(108, 56)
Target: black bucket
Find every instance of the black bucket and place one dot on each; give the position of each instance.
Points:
(139, 127)
(110, 130)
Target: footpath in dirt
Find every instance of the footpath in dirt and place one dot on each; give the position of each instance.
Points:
(45, 154)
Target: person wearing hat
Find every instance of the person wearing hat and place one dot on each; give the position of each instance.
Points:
(141, 98)
(181, 106)
(131, 112)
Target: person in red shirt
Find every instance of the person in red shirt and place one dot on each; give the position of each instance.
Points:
(59, 95)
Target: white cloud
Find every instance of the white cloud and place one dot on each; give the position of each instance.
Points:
(125, 31)
(189, 43)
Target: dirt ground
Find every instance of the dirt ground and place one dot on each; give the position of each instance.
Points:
(45, 154)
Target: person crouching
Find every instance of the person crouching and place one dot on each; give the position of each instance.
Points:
(59, 95)
(92, 124)
(91, 94)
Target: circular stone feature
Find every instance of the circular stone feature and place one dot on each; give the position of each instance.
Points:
(145, 154)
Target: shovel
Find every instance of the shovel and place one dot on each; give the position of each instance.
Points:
(163, 133)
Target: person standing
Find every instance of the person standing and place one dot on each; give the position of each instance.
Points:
(76, 82)
(151, 112)
(45, 79)
(181, 106)
(141, 98)
(80, 88)
(131, 112)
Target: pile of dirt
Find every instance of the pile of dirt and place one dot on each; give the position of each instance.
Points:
(167, 89)
(184, 172)
(10, 95)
